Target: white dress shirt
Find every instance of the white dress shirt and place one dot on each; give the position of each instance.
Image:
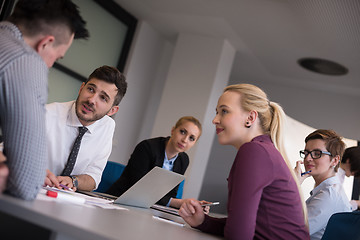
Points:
(341, 175)
(325, 200)
(62, 129)
(169, 165)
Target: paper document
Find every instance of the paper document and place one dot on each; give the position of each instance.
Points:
(87, 200)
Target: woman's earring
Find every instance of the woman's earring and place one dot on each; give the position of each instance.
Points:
(247, 125)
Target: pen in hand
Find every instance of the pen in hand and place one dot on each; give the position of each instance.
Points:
(302, 174)
(66, 187)
(210, 204)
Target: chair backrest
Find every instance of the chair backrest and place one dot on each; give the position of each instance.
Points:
(111, 173)
(344, 225)
(180, 190)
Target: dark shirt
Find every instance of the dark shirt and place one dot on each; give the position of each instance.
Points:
(148, 154)
(263, 198)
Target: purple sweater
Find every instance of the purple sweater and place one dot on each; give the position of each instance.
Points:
(263, 199)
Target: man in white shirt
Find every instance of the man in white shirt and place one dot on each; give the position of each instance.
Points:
(98, 99)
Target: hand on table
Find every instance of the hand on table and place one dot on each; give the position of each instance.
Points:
(206, 209)
(66, 181)
(51, 180)
(176, 203)
(56, 181)
(192, 212)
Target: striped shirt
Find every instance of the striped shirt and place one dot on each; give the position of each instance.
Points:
(23, 95)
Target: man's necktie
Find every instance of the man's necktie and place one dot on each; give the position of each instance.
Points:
(74, 152)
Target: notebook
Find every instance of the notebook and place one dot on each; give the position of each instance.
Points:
(150, 188)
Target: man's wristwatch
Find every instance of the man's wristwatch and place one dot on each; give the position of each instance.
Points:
(74, 181)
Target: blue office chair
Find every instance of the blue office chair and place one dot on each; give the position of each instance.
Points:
(344, 225)
(111, 173)
(180, 190)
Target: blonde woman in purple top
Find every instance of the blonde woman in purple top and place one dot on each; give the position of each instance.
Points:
(264, 201)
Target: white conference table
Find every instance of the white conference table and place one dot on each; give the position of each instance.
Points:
(69, 221)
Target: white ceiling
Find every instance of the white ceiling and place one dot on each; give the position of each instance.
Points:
(269, 35)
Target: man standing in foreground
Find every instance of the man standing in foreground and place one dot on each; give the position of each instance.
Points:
(37, 34)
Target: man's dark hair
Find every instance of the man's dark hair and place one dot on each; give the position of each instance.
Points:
(40, 16)
(111, 75)
(353, 154)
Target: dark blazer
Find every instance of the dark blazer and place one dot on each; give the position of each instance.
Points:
(148, 154)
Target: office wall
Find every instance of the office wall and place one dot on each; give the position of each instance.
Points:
(62, 87)
(199, 70)
(145, 72)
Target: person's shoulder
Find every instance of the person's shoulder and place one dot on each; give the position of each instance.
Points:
(156, 140)
(16, 48)
(334, 195)
(263, 145)
(109, 121)
(27, 64)
(253, 153)
(104, 127)
(14, 41)
(152, 143)
(329, 188)
(254, 147)
(333, 186)
(184, 155)
(263, 141)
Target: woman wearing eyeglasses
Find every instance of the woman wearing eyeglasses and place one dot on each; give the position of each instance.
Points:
(322, 154)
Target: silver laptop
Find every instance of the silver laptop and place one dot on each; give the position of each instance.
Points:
(150, 188)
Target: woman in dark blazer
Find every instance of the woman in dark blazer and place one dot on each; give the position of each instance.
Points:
(165, 152)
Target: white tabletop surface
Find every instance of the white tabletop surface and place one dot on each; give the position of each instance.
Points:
(79, 221)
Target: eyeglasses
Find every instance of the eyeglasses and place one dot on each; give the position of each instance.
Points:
(315, 154)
